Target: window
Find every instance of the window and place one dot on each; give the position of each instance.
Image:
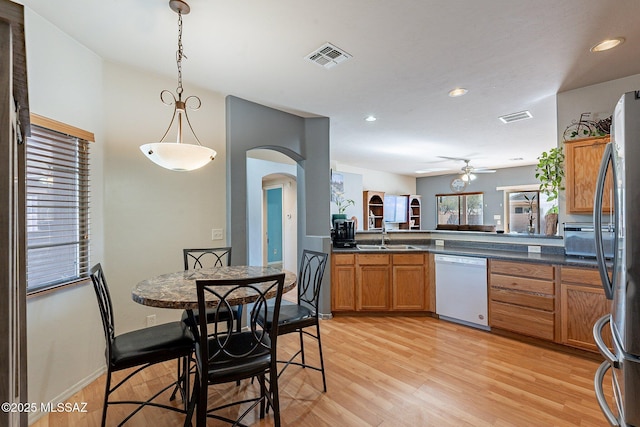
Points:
(525, 209)
(465, 208)
(57, 174)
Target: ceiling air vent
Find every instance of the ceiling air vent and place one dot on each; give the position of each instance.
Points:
(514, 117)
(328, 56)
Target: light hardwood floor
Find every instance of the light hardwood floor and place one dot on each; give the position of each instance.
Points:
(399, 371)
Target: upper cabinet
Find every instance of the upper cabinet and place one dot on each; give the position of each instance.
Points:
(582, 162)
(373, 215)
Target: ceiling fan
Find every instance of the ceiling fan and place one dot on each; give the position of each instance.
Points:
(467, 171)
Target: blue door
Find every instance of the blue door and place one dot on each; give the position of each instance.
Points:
(274, 225)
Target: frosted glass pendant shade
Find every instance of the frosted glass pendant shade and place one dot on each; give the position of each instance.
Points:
(177, 156)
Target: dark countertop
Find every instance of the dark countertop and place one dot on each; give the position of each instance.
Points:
(485, 252)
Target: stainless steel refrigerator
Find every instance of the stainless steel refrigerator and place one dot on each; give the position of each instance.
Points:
(621, 281)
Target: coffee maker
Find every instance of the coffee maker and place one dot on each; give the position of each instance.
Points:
(343, 233)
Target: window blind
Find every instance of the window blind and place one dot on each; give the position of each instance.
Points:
(57, 220)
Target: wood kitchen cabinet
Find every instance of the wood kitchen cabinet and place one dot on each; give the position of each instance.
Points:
(373, 282)
(381, 282)
(343, 282)
(582, 162)
(522, 298)
(409, 292)
(583, 302)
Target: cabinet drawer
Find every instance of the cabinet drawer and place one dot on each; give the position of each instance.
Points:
(540, 302)
(344, 259)
(373, 259)
(407, 259)
(524, 284)
(523, 320)
(588, 276)
(540, 271)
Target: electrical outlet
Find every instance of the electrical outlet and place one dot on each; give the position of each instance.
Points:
(534, 249)
(439, 242)
(217, 234)
(151, 320)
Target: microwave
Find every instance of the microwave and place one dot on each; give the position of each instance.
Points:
(580, 239)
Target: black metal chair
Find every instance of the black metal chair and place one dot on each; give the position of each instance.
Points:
(141, 349)
(296, 317)
(224, 356)
(205, 258)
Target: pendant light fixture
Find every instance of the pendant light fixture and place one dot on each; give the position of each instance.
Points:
(179, 156)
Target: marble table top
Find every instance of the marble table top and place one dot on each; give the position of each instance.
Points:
(178, 290)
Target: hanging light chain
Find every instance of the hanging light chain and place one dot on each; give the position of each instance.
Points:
(179, 55)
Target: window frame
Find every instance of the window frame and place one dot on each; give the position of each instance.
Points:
(79, 189)
(462, 206)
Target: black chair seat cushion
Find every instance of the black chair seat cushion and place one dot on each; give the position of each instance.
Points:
(223, 315)
(226, 368)
(151, 345)
(292, 317)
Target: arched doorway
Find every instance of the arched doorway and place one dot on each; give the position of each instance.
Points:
(272, 207)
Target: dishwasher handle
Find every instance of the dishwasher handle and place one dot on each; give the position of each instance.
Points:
(454, 259)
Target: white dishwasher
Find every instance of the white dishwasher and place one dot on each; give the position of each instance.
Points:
(461, 290)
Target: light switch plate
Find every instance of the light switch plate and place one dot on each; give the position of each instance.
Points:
(439, 242)
(217, 234)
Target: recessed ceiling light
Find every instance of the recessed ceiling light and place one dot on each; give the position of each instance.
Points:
(371, 118)
(459, 91)
(607, 44)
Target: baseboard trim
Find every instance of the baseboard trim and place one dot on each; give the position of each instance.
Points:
(66, 394)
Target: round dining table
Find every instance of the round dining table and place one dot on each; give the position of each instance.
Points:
(178, 290)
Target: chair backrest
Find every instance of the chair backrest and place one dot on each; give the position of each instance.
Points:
(312, 267)
(258, 289)
(207, 257)
(105, 305)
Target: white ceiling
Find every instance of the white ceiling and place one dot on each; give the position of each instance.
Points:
(407, 54)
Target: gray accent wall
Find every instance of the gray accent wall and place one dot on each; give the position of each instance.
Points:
(306, 141)
(428, 187)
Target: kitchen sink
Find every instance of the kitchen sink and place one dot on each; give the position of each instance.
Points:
(386, 247)
(400, 247)
(371, 247)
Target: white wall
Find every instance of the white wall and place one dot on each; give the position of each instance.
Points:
(380, 181)
(597, 99)
(64, 332)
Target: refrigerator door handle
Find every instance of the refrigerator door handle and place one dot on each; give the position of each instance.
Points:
(602, 401)
(597, 336)
(607, 283)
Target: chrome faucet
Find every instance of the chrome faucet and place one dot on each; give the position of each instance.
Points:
(384, 234)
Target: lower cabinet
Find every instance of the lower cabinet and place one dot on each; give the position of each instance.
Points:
(373, 282)
(343, 282)
(583, 303)
(522, 298)
(380, 282)
(408, 288)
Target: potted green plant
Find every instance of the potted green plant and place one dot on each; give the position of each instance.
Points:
(342, 205)
(550, 173)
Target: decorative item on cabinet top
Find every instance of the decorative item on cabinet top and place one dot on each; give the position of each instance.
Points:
(587, 127)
